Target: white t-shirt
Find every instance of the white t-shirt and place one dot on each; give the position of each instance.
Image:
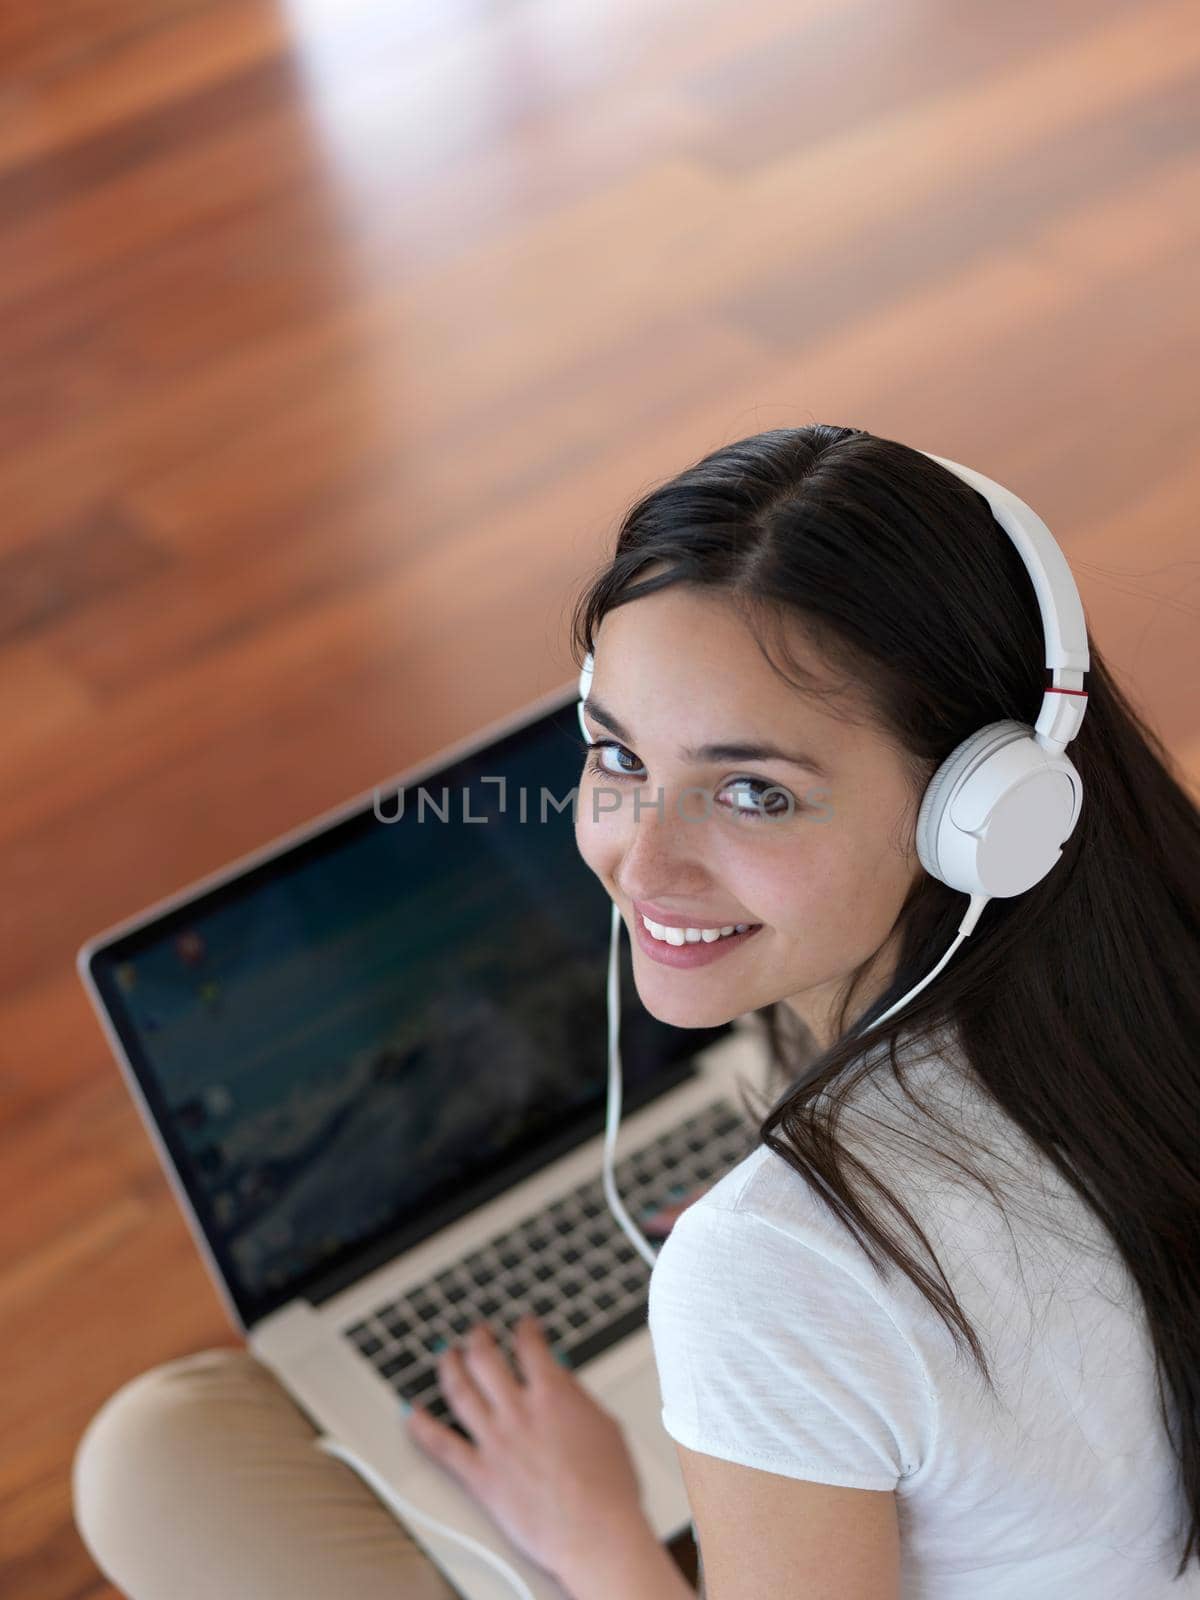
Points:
(779, 1347)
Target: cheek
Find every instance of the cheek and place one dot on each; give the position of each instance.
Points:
(841, 887)
(597, 844)
(793, 893)
(822, 879)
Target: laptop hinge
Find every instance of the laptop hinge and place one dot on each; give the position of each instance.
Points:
(288, 1333)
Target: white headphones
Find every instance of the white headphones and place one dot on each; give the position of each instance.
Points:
(996, 813)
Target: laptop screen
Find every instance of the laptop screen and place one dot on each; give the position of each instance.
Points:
(375, 1030)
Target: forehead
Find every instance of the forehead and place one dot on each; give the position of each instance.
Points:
(683, 643)
(685, 668)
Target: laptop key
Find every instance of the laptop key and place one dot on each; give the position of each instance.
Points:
(411, 1388)
(397, 1363)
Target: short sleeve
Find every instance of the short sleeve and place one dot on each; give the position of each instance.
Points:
(772, 1354)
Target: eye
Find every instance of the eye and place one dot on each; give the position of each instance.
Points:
(767, 803)
(596, 764)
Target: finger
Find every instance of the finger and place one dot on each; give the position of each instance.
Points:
(462, 1393)
(537, 1360)
(488, 1366)
(457, 1455)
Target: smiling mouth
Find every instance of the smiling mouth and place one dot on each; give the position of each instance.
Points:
(681, 936)
(690, 953)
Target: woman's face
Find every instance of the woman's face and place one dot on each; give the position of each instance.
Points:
(706, 840)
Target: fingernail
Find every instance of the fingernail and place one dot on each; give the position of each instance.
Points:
(405, 1407)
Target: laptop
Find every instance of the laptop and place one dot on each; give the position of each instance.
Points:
(372, 1058)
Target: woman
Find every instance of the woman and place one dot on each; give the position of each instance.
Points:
(939, 1335)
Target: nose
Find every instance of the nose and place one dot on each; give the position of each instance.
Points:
(663, 856)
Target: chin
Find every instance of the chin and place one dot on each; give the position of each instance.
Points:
(700, 1011)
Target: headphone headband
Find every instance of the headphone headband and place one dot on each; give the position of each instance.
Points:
(1063, 627)
(1058, 600)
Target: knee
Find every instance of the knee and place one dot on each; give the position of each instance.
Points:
(132, 1443)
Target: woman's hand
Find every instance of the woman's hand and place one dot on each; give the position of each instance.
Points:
(548, 1463)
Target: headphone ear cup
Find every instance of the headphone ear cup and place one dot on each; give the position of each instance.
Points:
(997, 812)
(933, 803)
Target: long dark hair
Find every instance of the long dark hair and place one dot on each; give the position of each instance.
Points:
(1077, 1004)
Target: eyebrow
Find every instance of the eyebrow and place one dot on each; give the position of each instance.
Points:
(712, 752)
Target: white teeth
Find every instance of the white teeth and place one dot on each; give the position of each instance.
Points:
(679, 936)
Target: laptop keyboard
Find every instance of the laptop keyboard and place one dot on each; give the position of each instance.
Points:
(570, 1265)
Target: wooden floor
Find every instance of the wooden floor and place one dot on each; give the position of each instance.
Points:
(334, 338)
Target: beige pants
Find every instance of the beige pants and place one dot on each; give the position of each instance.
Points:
(199, 1480)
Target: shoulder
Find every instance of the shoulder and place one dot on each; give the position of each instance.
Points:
(775, 1342)
(764, 1240)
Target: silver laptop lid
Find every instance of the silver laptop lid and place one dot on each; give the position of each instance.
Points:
(372, 1025)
